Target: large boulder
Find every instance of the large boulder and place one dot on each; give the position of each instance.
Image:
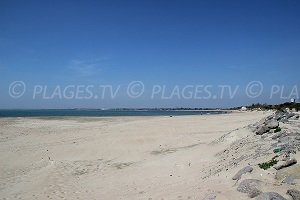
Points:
(289, 175)
(272, 124)
(271, 117)
(270, 196)
(286, 164)
(289, 115)
(260, 130)
(266, 126)
(278, 117)
(250, 187)
(245, 170)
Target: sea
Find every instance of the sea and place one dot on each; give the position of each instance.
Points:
(101, 113)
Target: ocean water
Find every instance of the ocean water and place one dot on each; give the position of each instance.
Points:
(99, 113)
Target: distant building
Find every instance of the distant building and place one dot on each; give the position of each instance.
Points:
(293, 100)
(244, 108)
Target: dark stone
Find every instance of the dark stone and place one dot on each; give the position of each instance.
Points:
(262, 130)
(295, 194)
(270, 196)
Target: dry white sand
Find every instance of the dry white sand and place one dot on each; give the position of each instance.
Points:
(122, 157)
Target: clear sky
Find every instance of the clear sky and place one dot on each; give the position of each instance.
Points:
(157, 42)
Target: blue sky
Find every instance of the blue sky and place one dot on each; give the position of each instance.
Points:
(157, 42)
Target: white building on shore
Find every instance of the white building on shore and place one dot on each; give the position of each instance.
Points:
(244, 108)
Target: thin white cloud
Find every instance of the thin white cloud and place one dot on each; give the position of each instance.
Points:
(86, 67)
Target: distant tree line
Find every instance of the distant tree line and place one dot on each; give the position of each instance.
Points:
(265, 106)
(255, 106)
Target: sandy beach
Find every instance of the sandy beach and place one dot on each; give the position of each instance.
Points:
(180, 157)
(149, 100)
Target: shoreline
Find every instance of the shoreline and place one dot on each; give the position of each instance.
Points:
(101, 113)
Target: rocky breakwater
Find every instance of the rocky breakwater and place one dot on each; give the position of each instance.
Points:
(281, 130)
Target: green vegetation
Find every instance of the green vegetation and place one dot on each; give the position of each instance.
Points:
(277, 130)
(267, 165)
(279, 107)
(277, 150)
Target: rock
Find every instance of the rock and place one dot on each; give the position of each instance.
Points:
(286, 164)
(245, 170)
(263, 136)
(278, 117)
(272, 131)
(290, 175)
(290, 115)
(290, 179)
(277, 135)
(284, 156)
(268, 123)
(260, 130)
(295, 117)
(254, 193)
(266, 126)
(280, 134)
(285, 139)
(295, 194)
(250, 186)
(262, 121)
(272, 124)
(289, 146)
(270, 196)
(271, 117)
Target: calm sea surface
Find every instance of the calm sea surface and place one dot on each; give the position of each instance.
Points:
(98, 113)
